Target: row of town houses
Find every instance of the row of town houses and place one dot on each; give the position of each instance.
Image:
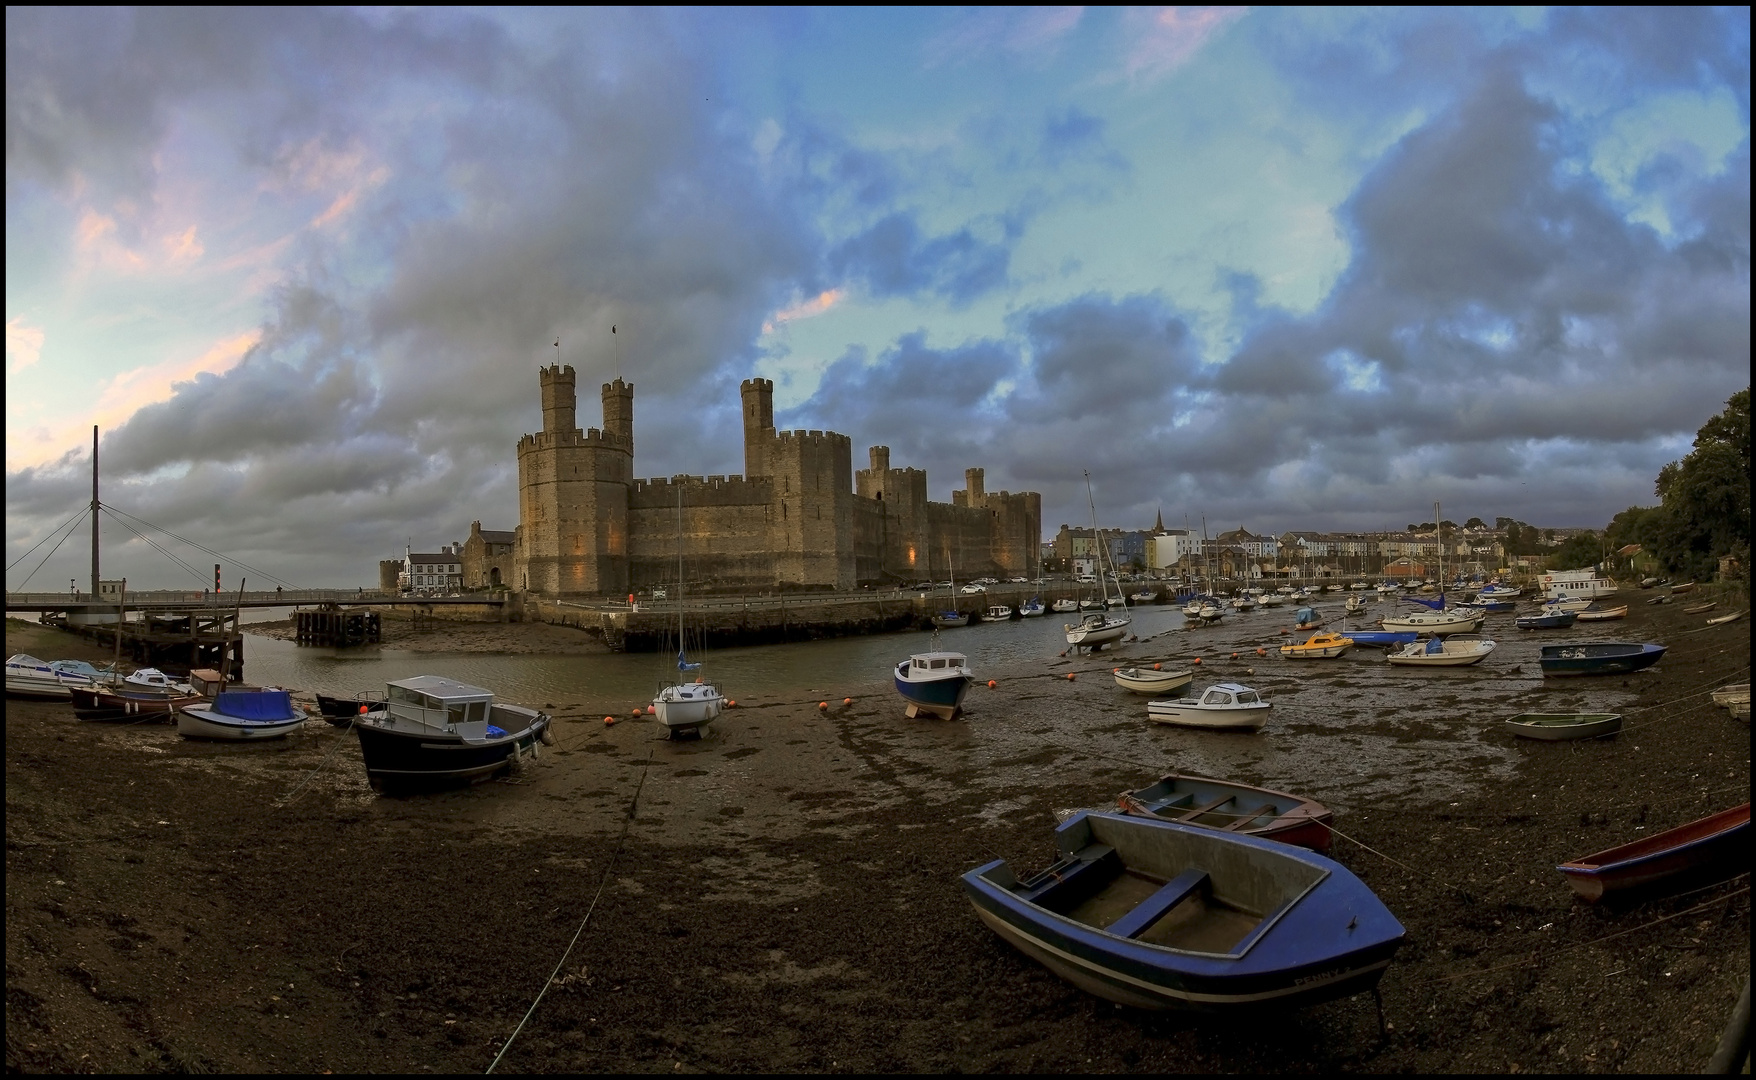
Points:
(1242, 553)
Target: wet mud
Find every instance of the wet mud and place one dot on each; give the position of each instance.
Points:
(782, 894)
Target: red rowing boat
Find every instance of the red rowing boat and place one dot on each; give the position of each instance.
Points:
(1231, 807)
(1718, 842)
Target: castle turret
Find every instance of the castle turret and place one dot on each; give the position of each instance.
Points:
(973, 482)
(619, 412)
(559, 399)
(758, 395)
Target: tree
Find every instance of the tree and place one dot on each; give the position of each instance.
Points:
(1705, 497)
(1475, 523)
(1578, 552)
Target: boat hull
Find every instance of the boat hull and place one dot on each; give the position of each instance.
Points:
(1598, 658)
(105, 705)
(1238, 808)
(1228, 718)
(1715, 845)
(196, 722)
(688, 706)
(1299, 955)
(1564, 727)
(940, 697)
(1546, 622)
(1454, 654)
(1091, 637)
(1153, 682)
(403, 758)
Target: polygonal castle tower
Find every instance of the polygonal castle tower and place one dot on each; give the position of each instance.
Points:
(793, 520)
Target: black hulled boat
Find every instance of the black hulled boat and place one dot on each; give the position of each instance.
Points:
(436, 732)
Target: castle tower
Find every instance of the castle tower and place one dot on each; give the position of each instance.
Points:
(619, 412)
(973, 481)
(559, 399)
(758, 395)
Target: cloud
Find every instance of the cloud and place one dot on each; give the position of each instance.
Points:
(1032, 33)
(804, 309)
(1164, 39)
(895, 258)
(24, 344)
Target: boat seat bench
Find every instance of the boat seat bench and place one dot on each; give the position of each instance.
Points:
(1143, 915)
(1067, 884)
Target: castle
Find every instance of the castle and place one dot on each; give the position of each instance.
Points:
(799, 517)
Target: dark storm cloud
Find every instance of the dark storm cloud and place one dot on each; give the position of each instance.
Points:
(896, 257)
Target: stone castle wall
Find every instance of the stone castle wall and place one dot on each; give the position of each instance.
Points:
(799, 518)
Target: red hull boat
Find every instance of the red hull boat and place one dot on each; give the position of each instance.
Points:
(1718, 841)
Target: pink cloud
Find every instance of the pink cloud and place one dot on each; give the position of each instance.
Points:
(1020, 31)
(24, 344)
(804, 309)
(1164, 39)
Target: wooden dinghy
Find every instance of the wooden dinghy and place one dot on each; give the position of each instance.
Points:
(105, 703)
(1721, 620)
(1564, 727)
(1441, 652)
(1735, 699)
(1716, 845)
(1604, 614)
(1234, 808)
(1699, 609)
(1161, 915)
(1153, 680)
(1685, 587)
(1599, 658)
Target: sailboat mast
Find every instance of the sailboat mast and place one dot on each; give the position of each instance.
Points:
(94, 512)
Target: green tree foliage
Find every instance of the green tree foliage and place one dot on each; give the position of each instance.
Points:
(1475, 523)
(1704, 509)
(1578, 552)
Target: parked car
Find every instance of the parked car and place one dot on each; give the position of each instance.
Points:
(972, 587)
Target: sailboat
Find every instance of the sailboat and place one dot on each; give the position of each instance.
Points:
(687, 705)
(1437, 620)
(1098, 628)
(945, 620)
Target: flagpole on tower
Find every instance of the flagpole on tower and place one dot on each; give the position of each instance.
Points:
(616, 345)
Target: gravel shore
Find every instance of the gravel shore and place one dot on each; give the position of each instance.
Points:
(783, 894)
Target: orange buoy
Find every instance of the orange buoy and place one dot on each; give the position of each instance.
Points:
(1234, 656)
(1261, 652)
(824, 705)
(652, 710)
(1197, 660)
(992, 684)
(847, 701)
(1115, 671)
(608, 720)
(731, 704)
(1157, 667)
(362, 710)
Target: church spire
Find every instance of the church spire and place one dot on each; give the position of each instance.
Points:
(1159, 525)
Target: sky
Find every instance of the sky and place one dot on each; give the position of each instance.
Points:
(1272, 269)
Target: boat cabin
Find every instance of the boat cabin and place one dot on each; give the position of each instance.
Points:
(1226, 693)
(937, 662)
(441, 703)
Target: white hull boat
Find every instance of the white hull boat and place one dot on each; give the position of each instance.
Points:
(1031, 610)
(1437, 623)
(687, 706)
(53, 680)
(1096, 630)
(1065, 607)
(997, 613)
(1224, 705)
(1149, 681)
(1441, 652)
(241, 716)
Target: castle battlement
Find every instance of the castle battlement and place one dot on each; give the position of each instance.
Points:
(555, 440)
(802, 437)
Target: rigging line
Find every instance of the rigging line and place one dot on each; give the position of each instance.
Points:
(74, 520)
(203, 547)
(161, 550)
(1581, 944)
(312, 773)
(627, 822)
(45, 558)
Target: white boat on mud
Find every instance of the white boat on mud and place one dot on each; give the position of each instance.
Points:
(52, 680)
(1441, 652)
(1227, 706)
(1139, 680)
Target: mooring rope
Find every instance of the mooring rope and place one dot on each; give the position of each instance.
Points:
(312, 773)
(627, 822)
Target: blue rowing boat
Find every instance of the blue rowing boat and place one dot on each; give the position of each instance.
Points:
(1382, 639)
(1159, 914)
(1547, 620)
(1599, 657)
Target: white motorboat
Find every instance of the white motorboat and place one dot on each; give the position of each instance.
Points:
(1386, 589)
(1064, 607)
(1318, 647)
(241, 715)
(1574, 604)
(1273, 599)
(52, 680)
(1091, 605)
(1441, 652)
(1244, 602)
(1144, 596)
(1210, 613)
(1192, 609)
(1355, 605)
(153, 681)
(997, 613)
(686, 706)
(1223, 705)
(1140, 680)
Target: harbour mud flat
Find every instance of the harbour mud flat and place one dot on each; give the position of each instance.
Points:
(783, 895)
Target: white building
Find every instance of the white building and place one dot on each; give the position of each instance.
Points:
(1164, 549)
(435, 573)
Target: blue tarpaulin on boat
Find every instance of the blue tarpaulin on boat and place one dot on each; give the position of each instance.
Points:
(1435, 646)
(495, 733)
(683, 664)
(255, 704)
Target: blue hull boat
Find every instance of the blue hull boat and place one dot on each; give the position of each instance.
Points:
(1599, 658)
(1162, 915)
(1559, 620)
(934, 682)
(1382, 639)
(1496, 605)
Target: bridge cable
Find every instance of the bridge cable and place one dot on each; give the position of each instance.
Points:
(202, 547)
(198, 575)
(52, 550)
(74, 520)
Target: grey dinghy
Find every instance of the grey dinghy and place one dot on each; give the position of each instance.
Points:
(1161, 915)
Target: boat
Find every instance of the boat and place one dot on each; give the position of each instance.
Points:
(1210, 613)
(1223, 705)
(115, 703)
(1564, 602)
(1193, 608)
(241, 715)
(341, 711)
(149, 680)
(997, 613)
(1317, 647)
(1031, 608)
(1246, 602)
(1594, 613)
(1273, 599)
(1096, 629)
(1599, 657)
(1152, 680)
(1354, 605)
(684, 706)
(1092, 605)
(1721, 620)
(1493, 591)
(1144, 596)
(1564, 727)
(1307, 619)
(934, 682)
(52, 680)
(1436, 623)
(1063, 607)
(1716, 846)
(1441, 652)
(1381, 639)
(1547, 620)
(1700, 609)
(1687, 586)
(437, 731)
(1159, 914)
(1735, 699)
(1234, 808)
